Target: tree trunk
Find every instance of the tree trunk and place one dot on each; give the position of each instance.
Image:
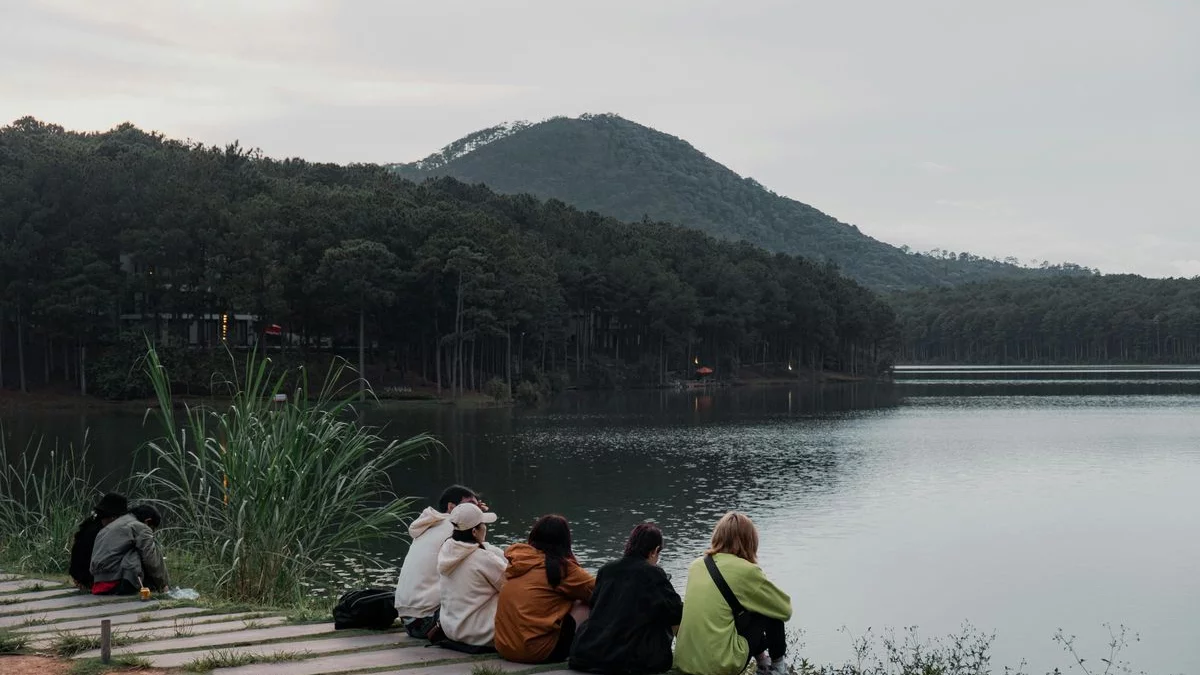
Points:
(458, 333)
(82, 369)
(21, 351)
(437, 364)
(1, 348)
(508, 358)
(474, 373)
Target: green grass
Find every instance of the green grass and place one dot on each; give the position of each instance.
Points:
(12, 643)
(44, 494)
(233, 659)
(94, 667)
(67, 645)
(486, 669)
(228, 477)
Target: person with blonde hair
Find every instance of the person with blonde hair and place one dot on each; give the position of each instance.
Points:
(731, 611)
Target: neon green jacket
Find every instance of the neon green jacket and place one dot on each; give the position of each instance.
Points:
(708, 643)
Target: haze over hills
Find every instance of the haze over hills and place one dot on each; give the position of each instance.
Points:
(620, 168)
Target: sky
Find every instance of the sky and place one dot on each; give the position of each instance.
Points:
(1061, 130)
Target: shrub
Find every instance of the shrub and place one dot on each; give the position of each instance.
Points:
(496, 389)
(528, 393)
(267, 496)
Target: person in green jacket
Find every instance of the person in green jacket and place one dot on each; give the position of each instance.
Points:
(710, 641)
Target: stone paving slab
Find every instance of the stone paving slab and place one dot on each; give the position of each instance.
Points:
(158, 630)
(133, 617)
(100, 610)
(223, 640)
(74, 600)
(326, 646)
(344, 663)
(10, 599)
(22, 584)
(465, 668)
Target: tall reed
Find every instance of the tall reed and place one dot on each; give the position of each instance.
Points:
(44, 495)
(267, 497)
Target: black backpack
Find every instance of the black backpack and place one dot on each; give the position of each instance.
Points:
(371, 608)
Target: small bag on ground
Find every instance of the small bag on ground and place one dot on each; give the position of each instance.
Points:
(371, 608)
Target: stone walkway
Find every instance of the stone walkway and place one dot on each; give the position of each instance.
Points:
(167, 635)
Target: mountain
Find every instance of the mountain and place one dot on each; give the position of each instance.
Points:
(608, 164)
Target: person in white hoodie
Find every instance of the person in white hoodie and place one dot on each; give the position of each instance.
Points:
(417, 594)
(472, 572)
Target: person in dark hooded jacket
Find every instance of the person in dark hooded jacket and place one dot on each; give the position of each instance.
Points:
(126, 557)
(635, 613)
(110, 507)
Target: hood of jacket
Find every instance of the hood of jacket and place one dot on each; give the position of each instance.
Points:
(429, 518)
(454, 553)
(523, 559)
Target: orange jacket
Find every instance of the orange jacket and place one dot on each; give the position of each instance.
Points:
(530, 613)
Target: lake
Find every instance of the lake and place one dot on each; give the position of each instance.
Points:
(1020, 502)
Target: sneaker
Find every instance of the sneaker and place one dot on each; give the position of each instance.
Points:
(779, 668)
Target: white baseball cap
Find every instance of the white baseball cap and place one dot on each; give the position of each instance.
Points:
(467, 516)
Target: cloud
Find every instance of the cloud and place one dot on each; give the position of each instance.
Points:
(935, 167)
(1186, 268)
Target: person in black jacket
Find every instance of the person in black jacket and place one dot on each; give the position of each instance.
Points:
(111, 507)
(635, 613)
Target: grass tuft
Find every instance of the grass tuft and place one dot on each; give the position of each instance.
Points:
(94, 667)
(486, 669)
(12, 643)
(44, 494)
(228, 477)
(67, 645)
(233, 659)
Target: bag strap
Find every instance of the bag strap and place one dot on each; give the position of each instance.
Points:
(726, 591)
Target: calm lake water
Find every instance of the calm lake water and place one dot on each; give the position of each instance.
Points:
(1019, 503)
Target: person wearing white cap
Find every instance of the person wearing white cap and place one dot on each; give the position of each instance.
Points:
(471, 572)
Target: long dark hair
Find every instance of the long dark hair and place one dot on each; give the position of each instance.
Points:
(643, 540)
(465, 536)
(552, 535)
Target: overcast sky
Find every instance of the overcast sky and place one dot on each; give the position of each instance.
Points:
(1047, 129)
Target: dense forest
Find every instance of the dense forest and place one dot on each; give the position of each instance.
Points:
(617, 167)
(108, 238)
(1098, 319)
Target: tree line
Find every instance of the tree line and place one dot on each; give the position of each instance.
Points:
(109, 237)
(1067, 320)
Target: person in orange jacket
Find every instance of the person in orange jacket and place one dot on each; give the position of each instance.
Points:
(544, 597)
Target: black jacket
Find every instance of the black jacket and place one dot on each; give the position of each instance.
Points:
(634, 607)
(81, 551)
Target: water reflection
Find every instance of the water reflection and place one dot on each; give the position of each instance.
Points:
(610, 461)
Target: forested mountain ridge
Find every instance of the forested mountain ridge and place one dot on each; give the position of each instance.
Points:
(1098, 319)
(611, 165)
(106, 237)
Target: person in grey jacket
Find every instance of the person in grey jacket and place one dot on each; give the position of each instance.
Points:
(126, 555)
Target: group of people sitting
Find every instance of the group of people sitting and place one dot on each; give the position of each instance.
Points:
(114, 551)
(533, 603)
